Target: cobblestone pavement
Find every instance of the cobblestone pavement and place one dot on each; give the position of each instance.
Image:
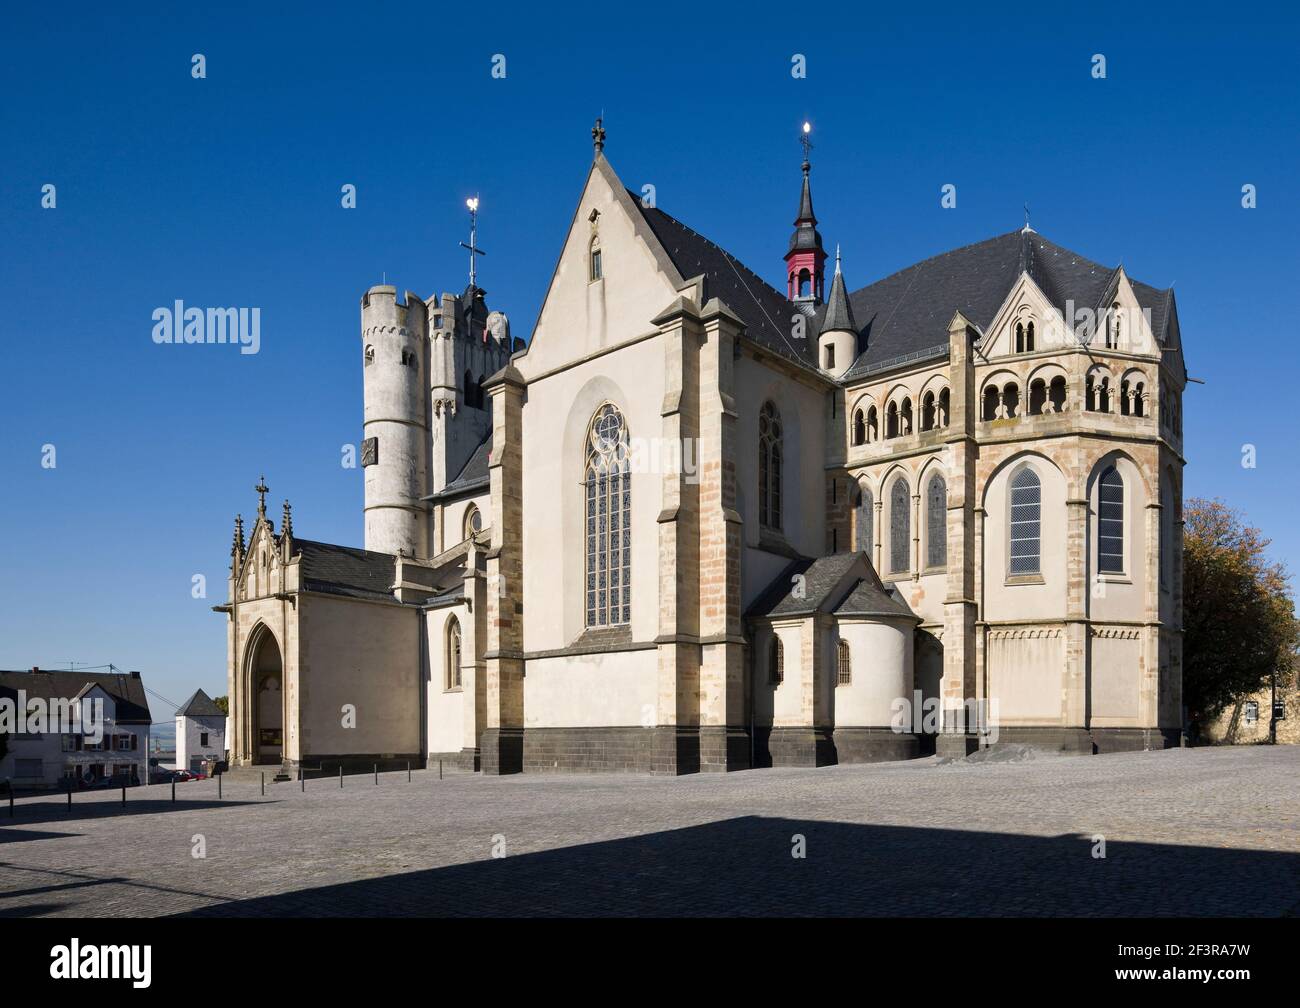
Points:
(1187, 832)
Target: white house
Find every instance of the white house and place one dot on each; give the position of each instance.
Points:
(200, 732)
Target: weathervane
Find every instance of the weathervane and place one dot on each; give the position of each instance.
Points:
(474, 250)
(1027, 227)
(806, 142)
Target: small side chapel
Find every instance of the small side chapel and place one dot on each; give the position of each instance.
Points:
(704, 522)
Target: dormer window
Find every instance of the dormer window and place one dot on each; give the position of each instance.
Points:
(596, 270)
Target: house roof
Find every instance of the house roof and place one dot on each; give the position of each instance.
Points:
(765, 311)
(344, 570)
(907, 313)
(843, 583)
(199, 705)
(126, 689)
(474, 474)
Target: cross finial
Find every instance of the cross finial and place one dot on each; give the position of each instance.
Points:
(261, 490)
(598, 135)
(1027, 227)
(474, 250)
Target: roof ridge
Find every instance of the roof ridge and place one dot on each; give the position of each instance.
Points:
(929, 259)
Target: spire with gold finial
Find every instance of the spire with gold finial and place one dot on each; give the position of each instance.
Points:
(598, 135)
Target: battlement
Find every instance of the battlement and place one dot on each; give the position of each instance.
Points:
(381, 307)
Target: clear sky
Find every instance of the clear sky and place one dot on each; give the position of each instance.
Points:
(226, 191)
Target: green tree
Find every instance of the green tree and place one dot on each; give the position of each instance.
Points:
(223, 703)
(1238, 614)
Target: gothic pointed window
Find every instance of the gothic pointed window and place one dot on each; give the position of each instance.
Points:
(1110, 522)
(453, 653)
(770, 457)
(597, 271)
(473, 523)
(936, 521)
(844, 671)
(608, 492)
(859, 428)
(1026, 523)
(900, 526)
(865, 519)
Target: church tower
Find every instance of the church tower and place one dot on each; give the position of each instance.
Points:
(395, 445)
(805, 259)
(837, 344)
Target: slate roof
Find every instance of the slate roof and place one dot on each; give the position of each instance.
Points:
(839, 313)
(126, 688)
(825, 591)
(199, 705)
(474, 474)
(908, 312)
(764, 310)
(342, 570)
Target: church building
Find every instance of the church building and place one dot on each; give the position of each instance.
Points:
(701, 522)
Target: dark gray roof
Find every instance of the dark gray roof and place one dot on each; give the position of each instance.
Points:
(839, 313)
(126, 689)
(199, 705)
(474, 474)
(806, 235)
(342, 570)
(842, 583)
(908, 313)
(764, 310)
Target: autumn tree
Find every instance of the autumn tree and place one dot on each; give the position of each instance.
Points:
(1239, 621)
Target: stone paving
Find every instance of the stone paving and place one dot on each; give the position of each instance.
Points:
(1187, 833)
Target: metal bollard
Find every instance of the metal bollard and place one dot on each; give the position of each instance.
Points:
(218, 787)
(173, 789)
(263, 783)
(376, 774)
(439, 769)
(11, 802)
(302, 780)
(69, 799)
(123, 796)
(340, 775)
(408, 775)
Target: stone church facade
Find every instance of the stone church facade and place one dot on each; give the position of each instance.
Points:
(698, 523)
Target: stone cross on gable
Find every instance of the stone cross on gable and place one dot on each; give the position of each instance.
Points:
(262, 490)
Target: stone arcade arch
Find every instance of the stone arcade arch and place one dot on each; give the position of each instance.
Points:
(264, 692)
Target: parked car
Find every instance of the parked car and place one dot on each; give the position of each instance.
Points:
(182, 775)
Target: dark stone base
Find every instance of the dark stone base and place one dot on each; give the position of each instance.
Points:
(955, 745)
(352, 763)
(1109, 740)
(1064, 741)
(463, 761)
(801, 747)
(724, 748)
(596, 750)
(874, 745)
(501, 751)
(675, 750)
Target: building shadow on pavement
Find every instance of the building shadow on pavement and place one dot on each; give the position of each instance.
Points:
(745, 866)
(56, 811)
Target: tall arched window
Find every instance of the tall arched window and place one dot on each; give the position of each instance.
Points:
(899, 527)
(597, 270)
(1026, 523)
(859, 428)
(936, 521)
(866, 518)
(776, 662)
(609, 520)
(769, 466)
(453, 653)
(844, 674)
(1110, 522)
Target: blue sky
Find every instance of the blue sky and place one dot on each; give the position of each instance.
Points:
(226, 191)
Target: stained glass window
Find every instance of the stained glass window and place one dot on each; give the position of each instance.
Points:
(609, 520)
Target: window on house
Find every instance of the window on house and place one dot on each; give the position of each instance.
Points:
(936, 517)
(1110, 522)
(859, 428)
(776, 662)
(453, 653)
(769, 466)
(370, 355)
(597, 270)
(608, 484)
(1026, 523)
(866, 516)
(203, 739)
(844, 674)
(899, 528)
(830, 356)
